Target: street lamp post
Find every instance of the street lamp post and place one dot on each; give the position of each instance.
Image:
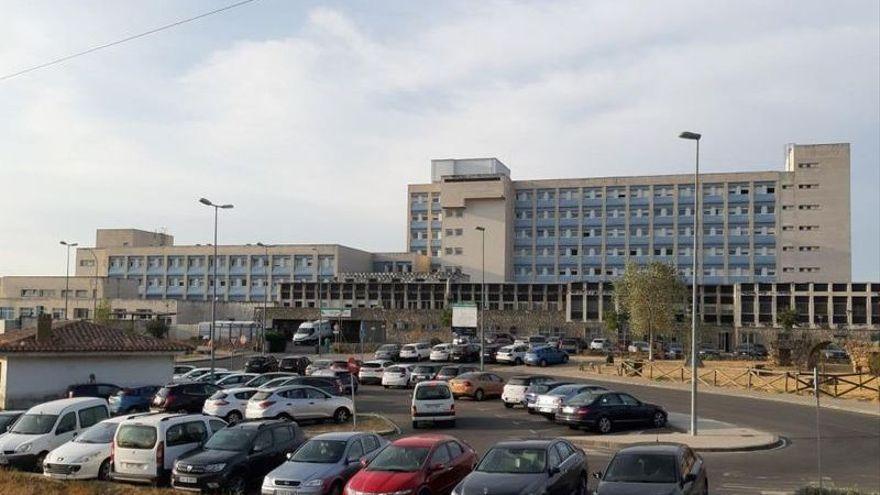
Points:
(482, 298)
(694, 279)
(265, 298)
(67, 276)
(216, 207)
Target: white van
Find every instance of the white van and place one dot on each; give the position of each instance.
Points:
(145, 448)
(45, 427)
(309, 332)
(432, 402)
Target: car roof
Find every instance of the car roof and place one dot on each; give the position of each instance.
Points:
(431, 382)
(424, 440)
(11, 413)
(653, 448)
(237, 390)
(155, 419)
(256, 425)
(339, 435)
(533, 443)
(56, 406)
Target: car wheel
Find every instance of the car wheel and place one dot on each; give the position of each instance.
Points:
(604, 425)
(104, 470)
(530, 410)
(565, 358)
(508, 405)
(38, 462)
(517, 362)
(233, 417)
(659, 420)
(235, 486)
(342, 415)
(478, 395)
(582, 484)
(543, 363)
(285, 417)
(706, 487)
(335, 489)
(415, 425)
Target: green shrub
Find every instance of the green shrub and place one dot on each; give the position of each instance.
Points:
(157, 328)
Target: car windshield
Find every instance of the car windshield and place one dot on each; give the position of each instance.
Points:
(641, 468)
(564, 390)
(320, 452)
(513, 460)
(305, 331)
(371, 365)
(582, 399)
(396, 369)
(409, 348)
(448, 371)
(99, 433)
(322, 363)
(441, 347)
(218, 395)
(423, 369)
(34, 424)
(399, 459)
(388, 347)
(136, 437)
(6, 420)
(432, 392)
(518, 381)
(235, 439)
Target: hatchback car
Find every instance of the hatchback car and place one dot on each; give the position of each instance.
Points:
(86, 456)
(440, 352)
(432, 402)
(237, 456)
(194, 373)
(477, 385)
(603, 412)
(532, 393)
(261, 364)
(544, 355)
(600, 345)
(346, 380)
(388, 352)
(318, 364)
(512, 354)
(415, 465)
(332, 386)
(489, 352)
(415, 352)
(323, 464)
(182, 397)
(298, 402)
(638, 346)
(552, 466)
(294, 364)
(372, 371)
(422, 372)
(261, 380)
(235, 380)
(102, 390)
(515, 388)
(396, 376)
(663, 468)
(130, 400)
(449, 372)
(465, 353)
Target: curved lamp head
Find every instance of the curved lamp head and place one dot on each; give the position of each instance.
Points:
(690, 135)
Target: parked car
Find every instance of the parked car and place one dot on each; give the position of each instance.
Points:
(432, 402)
(465, 353)
(261, 364)
(351, 365)
(423, 372)
(182, 397)
(674, 350)
(544, 355)
(130, 400)
(489, 352)
(638, 346)
(604, 411)
(708, 351)
(181, 369)
(661, 468)
(512, 354)
(751, 351)
(415, 352)
(500, 338)
(396, 376)
(332, 386)
(388, 352)
(346, 380)
(277, 382)
(318, 364)
(372, 371)
(229, 404)
(235, 380)
(552, 466)
(440, 352)
(298, 402)
(146, 447)
(213, 377)
(294, 364)
(536, 340)
(102, 390)
(8, 418)
(416, 464)
(324, 463)
(548, 404)
(47, 426)
(554, 341)
(600, 345)
(477, 385)
(265, 378)
(834, 353)
(449, 372)
(88, 456)
(514, 390)
(194, 373)
(531, 396)
(237, 457)
(570, 345)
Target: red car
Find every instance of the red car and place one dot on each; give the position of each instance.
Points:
(353, 366)
(420, 464)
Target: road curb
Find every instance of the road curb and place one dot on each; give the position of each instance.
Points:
(394, 430)
(598, 443)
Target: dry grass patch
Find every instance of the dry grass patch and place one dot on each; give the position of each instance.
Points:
(18, 483)
(372, 423)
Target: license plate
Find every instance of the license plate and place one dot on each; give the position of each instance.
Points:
(187, 479)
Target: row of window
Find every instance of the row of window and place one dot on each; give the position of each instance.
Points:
(659, 191)
(638, 212)
(613, 271)
(202, 282)
(733, 230)
(277, 261)
(768, 250)
(48, 293)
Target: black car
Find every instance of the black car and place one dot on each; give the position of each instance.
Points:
(658, 468)
(489, 351)
(237, 456)
(330, 385)
(102, 390)
(465, 353)
(447, 373)
(552, 466)
(261, 364)
(605, 411)
(751, 351)
(388, 352)
(344, 380)
(294, 364)
(7, 419)
(183, 397)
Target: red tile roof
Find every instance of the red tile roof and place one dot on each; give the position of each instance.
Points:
(86, 336)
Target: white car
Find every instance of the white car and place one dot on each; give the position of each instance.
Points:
(45, 427)
(512, 354)
(86, 456)
(432, 402)
(514, 392)
(638, 346)
(296, 402)
(415, 352)
(372, 371)
(228, 404)
(600, 345)
(180, 369)
(397, 376)
(440, 352)
(235, 380)
(146, 447)
(195, 373)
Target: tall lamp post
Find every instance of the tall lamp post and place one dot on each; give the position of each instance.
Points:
(482, 297)
(694, 279)
(266, 297)
(216, 207)
(67, 276)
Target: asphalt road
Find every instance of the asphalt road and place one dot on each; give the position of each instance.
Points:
(850, 442)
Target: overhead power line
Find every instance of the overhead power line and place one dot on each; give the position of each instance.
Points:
(124, 40)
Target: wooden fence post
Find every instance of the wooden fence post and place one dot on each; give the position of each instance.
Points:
(750, 378)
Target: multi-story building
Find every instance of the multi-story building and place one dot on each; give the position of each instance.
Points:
(29, 297)
(791, 225)
(163, 270)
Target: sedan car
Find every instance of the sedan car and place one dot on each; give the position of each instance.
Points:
(440, 352)
(709, 351)
(477, 385)
(552, 466)
(604, 412)
(236, 456)
(423, 372)
(298, 402)
(388, 352)
(674, 351)
(751, 351)
(548, 404)
(544, 355)
(489, 352)
(135, 399)
(261, 364)
(449, 372)
(532, 393)
(86, 456)
(193, 374)
(372, 371)
(465, 353)
(182, 397)
(662, 468)
(324, 464)
(180, 369)
(318, 364)
(414, 465)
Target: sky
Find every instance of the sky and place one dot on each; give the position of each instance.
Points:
(311, 117)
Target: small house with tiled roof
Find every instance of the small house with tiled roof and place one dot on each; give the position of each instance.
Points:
(38, 364)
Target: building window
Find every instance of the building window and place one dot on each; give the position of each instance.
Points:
(808, 165)
(808, 186)
(808, 227)
(808, 207)
(458, 251)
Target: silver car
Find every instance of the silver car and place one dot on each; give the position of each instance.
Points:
(327, 460)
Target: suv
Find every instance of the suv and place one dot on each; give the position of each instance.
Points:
(512, 354)
(261, 364)
(129, 400)
(237, 456)
(102, 390)
(298, 402)
(415, 352)
(183, 397)
(146, 447)
(465, 353)
(387, 352)
(294, 364)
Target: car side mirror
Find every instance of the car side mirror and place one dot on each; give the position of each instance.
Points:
(257, 448)
(690, 478)
(554, 470)
(289, 455)
(597, 475)
(364, 461)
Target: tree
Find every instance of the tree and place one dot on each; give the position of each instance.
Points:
(102, 311)
(787, 319)
(650, 295)
(614, 322)
(157, 328)
(782, 345)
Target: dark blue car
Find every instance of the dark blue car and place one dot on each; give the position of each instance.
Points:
(129, 400)
(544, 355)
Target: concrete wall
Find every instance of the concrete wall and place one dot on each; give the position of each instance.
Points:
(29, 380)
(131, 238)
